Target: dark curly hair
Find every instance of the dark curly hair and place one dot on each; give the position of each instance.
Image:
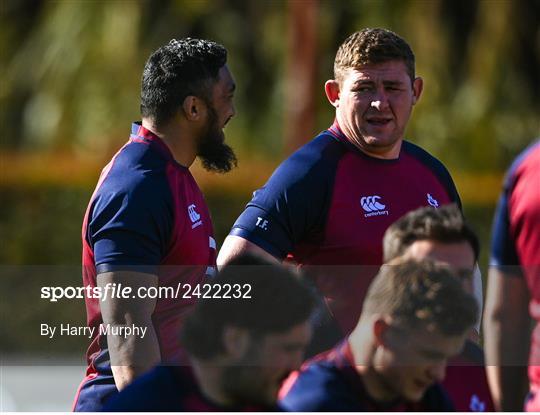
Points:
(279, 301)
(181, 68)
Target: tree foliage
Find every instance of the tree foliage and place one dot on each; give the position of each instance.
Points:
(71, 69)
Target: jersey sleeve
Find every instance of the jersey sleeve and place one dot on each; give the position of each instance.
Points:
(438, 168)
(320, 389)
(450, 186)
(503, 249)
(446, 179)
(293, 204)
(130, 227)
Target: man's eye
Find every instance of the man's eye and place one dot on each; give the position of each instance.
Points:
(363, 89)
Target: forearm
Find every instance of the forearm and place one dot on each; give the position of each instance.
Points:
(235, 246)
(507, 331)
(506, 353)
(508, 387)
(133, 355)
(132, 352)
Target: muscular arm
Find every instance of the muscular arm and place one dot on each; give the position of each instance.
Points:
(506, 330)
(132, 355)
(234, 246)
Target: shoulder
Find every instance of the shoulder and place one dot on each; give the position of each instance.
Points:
(292, 205)
(527, 161)
(473, 353)
(156, 390)
(424, 157)
(324, 148)
(518, 214)
(132, 201)
(435, 166)
(136, 174)
(313, 160)
(135, 164)
(318, 387)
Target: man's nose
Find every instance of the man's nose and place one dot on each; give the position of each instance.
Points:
(437, 372)
(380, 101)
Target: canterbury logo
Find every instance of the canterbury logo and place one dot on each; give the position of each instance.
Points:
(194, 216)
(432, 201)
(371, 204)
(476, 404)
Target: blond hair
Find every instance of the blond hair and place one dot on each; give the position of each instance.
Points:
(421, 295)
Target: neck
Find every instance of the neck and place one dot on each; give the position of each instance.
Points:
(179, 140)
(387, 153)
(208, 375)
(364, 350)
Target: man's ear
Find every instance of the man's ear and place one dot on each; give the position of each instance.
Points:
(193, 108)
(331, 87)
(236, 341)
(418, 87)
(381, 331)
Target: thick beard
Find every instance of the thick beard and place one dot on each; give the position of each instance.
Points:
(216, 156)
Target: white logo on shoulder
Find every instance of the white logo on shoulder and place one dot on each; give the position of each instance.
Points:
(431, 200)
(262, 223)
(194, 216)
(477, 405)
(372, 206)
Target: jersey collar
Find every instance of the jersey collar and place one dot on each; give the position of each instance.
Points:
(139, 134)
(337, 133)
(344, 359)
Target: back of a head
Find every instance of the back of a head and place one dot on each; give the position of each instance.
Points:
(421, 295)
(445, 225)
(278, 301)
(174, 71)
(373, 46)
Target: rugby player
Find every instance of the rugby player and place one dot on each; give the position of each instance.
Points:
(416, 316)
(147, 224)
(330, 203)
(513, 296)
(240, 349)
(442, 235)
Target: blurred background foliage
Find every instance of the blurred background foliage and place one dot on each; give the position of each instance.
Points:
(70, 89)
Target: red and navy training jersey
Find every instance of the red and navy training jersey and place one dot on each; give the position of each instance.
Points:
(330, 383)
(147, 214)
(168, 389)
(329, 204)
(466, 381)
(515, 247)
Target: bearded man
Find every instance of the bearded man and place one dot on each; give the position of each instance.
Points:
(147, 226)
